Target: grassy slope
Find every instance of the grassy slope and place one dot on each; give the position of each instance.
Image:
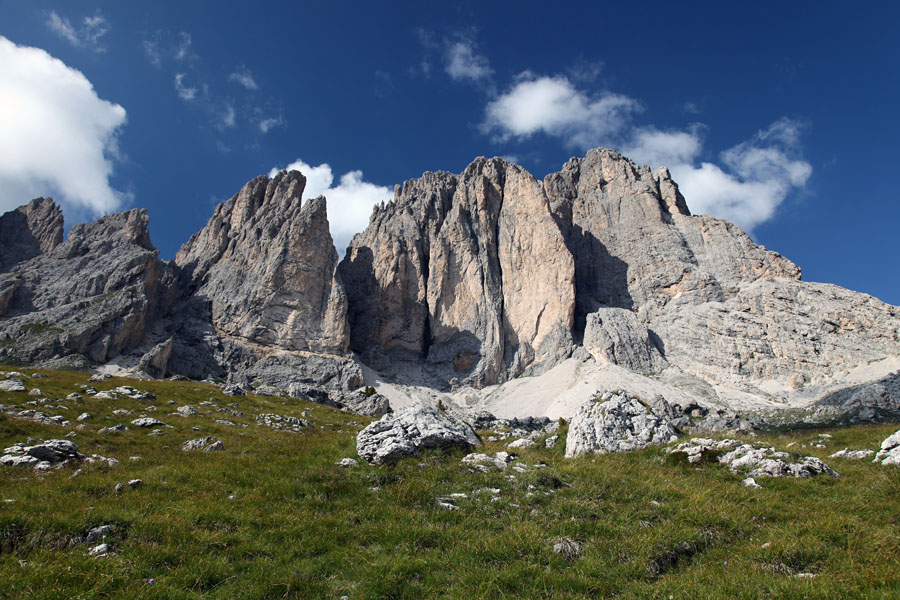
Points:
(296, 525)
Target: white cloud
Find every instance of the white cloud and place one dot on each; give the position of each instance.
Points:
(553, 106)
(185, 92)
(349, 203)
(59, 138)
(243, 76)
(757, 176)
(228, 117)
(164, 45)
(268, 123)
(86, 36)
(463, 62)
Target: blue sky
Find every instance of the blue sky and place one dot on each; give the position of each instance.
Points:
(780, 116)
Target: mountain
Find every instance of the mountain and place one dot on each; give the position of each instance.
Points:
(598, 274)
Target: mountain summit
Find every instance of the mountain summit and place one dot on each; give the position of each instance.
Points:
(463, 281)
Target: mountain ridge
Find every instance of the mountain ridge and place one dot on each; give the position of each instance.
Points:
(460, 283)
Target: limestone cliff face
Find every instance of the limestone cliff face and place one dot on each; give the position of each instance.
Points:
(28, 231)
(267, 265)
(468, 273)
(95, 295)
(635, 243)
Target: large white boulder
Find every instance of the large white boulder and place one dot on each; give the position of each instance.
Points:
(616, 422)
(415, 428)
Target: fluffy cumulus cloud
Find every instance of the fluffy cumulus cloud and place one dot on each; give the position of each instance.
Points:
(86, 35)
(59, 138)
(553, 106)
(350, 202)
(753, 179)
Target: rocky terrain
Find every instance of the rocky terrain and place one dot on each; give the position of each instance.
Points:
(487, 290)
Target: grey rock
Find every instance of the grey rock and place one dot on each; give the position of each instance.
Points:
(520, 444)
(267, 265)
(155, 362)
(113, 429)
(889, 454)
(28, 231)
(98, 533)
(200, 444)
(12, 385)
(373, 405)
(135, 483)
(550, 442)
(187, 411)
(216, 446)
(568, 548)
(148, 422)
(501, 460)
(282, 423)
(347, 462)
(617, 336)
(100, 550)
(466, 275)
(119, 488)
(752, 461)
(234, 390)
(852, 454)
(415, 428)
(616, 422)
(94, 296)
(85, 416)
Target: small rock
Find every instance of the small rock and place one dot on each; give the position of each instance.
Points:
(74, 396)
(85, 416)
(852, 454)
(347, 462)
(135, 483)
(98, 533)
(568, 548)
(148, 422)
(99, 551)
(215, 447)
(550, 442)
(12, 385)
(35, 392)
(119, 488)
(198, 444)
(520, 444)
(751, 483)
(187, 411)
(99, 377)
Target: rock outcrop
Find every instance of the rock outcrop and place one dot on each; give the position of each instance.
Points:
(415, 428)
(28, 231)
(267, 266)
(467, 274)
(92, 297)
(616, 422)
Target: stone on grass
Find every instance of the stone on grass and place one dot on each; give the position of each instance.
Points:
(207, 444)
(85, 416)
(520, 444)
(415, 428)
(35, 392)
(889, 454)
(550, 442)
(98, 533)
(135, 483)
(568, 548)
(148, 422)
(12, 385)
(186, 411)
(347, 462)
(616, 422)
(852, 454)
(99, 551)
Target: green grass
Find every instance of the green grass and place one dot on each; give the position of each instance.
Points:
(273, 517)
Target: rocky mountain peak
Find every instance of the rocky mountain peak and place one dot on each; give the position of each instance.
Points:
(267, 265)
(32, 229)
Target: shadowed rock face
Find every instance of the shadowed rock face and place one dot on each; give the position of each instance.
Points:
(95, 295)
(467, 273)
(267, 265)
(28, 231)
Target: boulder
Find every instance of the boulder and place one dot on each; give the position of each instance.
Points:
(889, 454)
(415, 428)
(616, 422)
